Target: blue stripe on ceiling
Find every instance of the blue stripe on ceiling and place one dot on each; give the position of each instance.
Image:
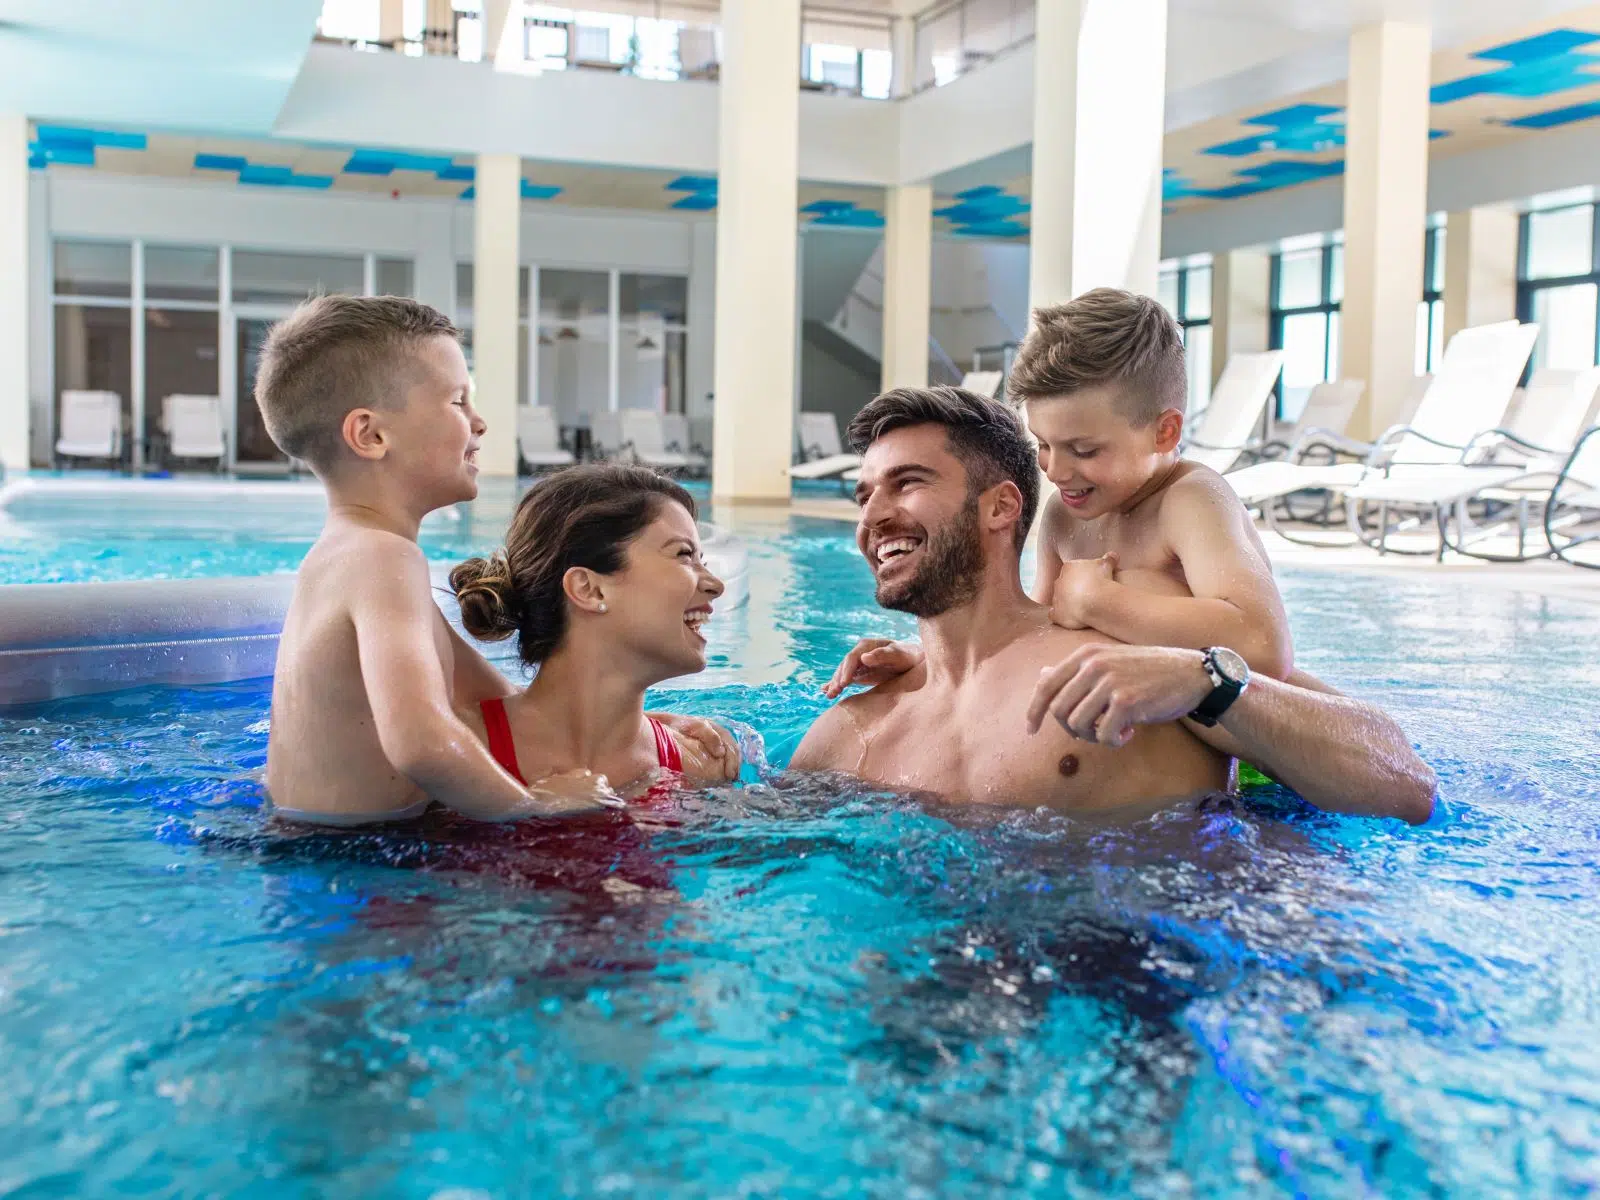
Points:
(1537, 66)
(1558, 116)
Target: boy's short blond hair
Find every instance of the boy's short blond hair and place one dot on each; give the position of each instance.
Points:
(334, 354)
(1105, 336)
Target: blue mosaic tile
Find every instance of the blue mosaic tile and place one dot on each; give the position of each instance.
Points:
(1536, 66)
(220, 162)
(1303, 128)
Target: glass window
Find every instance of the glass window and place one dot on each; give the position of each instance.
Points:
(1336, 274)
(1566, 320)
(836, 66)
(1561, 243)
(877, 74)
(1300, 279)
(574, 343)
(254, 446)
(94, 352)
(1305, 360)
(181, 273)
(1435, 282)
(666, 296)
(395, 277)
(1197, 294)
(273, 278)
(466, 283)
(180, 356)
(94, 269)
(1197, 353)
(1167, 291)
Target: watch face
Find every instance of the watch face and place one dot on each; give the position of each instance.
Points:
(1230, 665)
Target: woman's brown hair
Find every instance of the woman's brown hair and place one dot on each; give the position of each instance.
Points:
(580, 517)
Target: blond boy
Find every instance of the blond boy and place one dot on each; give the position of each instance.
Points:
(373, 393)
(1133, 541)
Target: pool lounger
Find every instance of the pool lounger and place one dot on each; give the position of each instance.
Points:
(68, 639)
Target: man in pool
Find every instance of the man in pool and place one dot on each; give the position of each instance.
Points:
(1007, 708)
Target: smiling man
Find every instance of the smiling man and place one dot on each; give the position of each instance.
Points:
(1004, 707)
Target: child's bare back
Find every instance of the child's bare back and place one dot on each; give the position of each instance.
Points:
(324, 752)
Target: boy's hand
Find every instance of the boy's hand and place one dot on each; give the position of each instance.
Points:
(1077, 588)
(709, 751)
(873, 661)
(572, 792)
(1099, 693)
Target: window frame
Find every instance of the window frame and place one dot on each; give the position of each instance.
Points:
(1528, 289)
(1278, 315)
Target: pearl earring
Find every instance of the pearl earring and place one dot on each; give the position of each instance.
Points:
(602, 608)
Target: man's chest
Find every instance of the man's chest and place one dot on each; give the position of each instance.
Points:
(977, 748)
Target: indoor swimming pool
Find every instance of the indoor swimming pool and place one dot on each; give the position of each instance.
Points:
(795, 987)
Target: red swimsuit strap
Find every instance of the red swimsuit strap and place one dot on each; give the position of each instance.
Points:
(498, 727)
(666, 749)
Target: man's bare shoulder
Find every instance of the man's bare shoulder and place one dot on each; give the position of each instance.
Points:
(1045, 646)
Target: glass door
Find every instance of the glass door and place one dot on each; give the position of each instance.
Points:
(250, 446)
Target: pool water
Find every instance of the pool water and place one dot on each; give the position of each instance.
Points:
(803, 989)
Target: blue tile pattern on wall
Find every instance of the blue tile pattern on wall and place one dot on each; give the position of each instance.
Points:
(1305, 128)
(530, 191)
(988, 212)
(700, 192)
(842, 214)
(261, 174)
(1558, 116)
(72, 146)
(1536, 66)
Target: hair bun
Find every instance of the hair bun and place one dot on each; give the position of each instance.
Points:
(484, 590)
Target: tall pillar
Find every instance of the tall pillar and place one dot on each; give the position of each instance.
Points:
(700, 369)
(494, 28)
(1385, 215)
(1099, 101)
(757, 249)
(903, 50)
(1241, 301)
(391, 22)
(1480, 268)
(497, 222)
(14, 280)
(907, 285)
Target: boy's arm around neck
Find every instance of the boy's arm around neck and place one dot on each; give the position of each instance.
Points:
(391, 605)
(1234, 600)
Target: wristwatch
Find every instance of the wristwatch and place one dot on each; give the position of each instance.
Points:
(1230, 675)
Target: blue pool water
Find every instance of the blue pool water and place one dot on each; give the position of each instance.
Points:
(798, 990)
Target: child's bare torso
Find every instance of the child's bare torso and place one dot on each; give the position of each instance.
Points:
(323, 752)
(1146, 560)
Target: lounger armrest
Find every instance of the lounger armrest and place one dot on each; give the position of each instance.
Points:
(1506, 435)
(1250, 445)
(1392, 435)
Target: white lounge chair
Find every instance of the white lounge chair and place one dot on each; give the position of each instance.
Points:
(677, 438)
(1320, 431)
(822, 453)
(1226, 429)
(605, 436)
(701, 432)
(984, 383)
(646, 441)
(91, 427)
(1469, 395)
(1539, 439)
(539, 440)
(1572, 511)
(191, 429)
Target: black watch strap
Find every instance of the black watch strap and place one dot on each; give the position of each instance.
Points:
(1224, 692)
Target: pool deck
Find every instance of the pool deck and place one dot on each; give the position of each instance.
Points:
(1546, 578)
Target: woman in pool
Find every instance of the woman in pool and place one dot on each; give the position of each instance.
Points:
(602, 583)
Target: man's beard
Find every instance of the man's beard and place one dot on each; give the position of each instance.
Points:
(952, 566)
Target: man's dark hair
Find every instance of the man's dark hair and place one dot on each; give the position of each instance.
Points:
(986, 436)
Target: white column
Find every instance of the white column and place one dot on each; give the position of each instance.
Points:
(1480, 268)
(1385, 215)
(1241, 301)
(700, 369)
(757, 246)
(391, 21)
(494, 28)
(903, 49)
(907, 285)
(1099, 101)
(497, 217)
(14, 279)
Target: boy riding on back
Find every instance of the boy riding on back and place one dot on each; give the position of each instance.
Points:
(1133, 541)
(373, 393)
